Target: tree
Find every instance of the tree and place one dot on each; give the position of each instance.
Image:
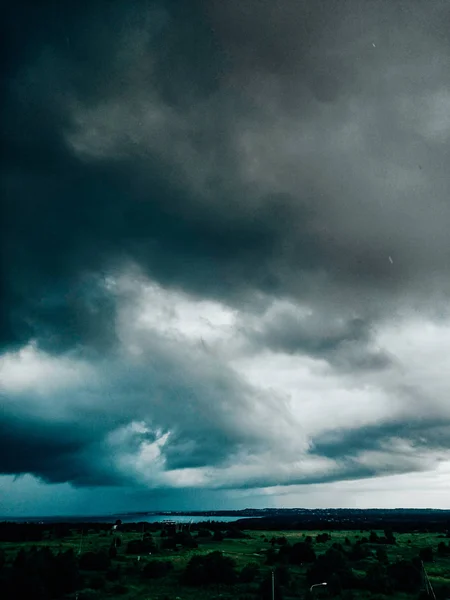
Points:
(426, 554)
(168, 543)
(373, 538)
(405, 576)
(249, 573)
(157, 568)
(302, 552)
(210, 568)
(271, 556)
(266, 589)
(94, 561)
(204, 533)
(443, 549)
(377, 580)
(389, 535)
(282, 575)
(381, 555)
(331, 564)
(359, 551)
(141, 546)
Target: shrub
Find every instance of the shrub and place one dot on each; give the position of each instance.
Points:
(210, 568)
(156, 568)
(249, 573)
(141, 546)
(94, 561)
(426, 554)
(302, 552)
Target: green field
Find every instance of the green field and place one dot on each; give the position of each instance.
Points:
(131, 585)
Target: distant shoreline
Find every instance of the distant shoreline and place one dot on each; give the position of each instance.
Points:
(223, 515)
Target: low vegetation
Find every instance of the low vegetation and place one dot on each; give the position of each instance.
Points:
(216, 560)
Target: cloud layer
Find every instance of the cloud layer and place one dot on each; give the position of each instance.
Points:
(224, 243)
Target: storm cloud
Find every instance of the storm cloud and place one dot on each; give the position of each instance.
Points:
(224, 242)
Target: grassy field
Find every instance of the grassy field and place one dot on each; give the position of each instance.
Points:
(243, 552)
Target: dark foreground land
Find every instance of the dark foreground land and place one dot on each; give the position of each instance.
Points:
(359, 554)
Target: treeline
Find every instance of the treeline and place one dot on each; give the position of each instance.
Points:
(397, 521)
(38, 532)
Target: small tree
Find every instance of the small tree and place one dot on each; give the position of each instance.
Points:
(94, 561)
(157, 568)
(249, 573)
(382, 555)
(302, 552)
(443, 549)
(426, 554)
(212, 568)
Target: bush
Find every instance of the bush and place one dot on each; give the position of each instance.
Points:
(443, 549)
(204, 533)
(94, 561)
(302, 552)
(266, 589)
(281, 541)
(249, 573)
(405, 576)
(282, 575)
(377, 580)
(96, 582)
(89, 594)
(156, 568)
(235, 533)
(119, 589)
(168, 543)
(113, 573)
(381, 555)
(271, 556)
(210, 568)
(426, 554)
(331, 567)
(141, 546)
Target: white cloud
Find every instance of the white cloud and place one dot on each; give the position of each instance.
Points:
(29, 370)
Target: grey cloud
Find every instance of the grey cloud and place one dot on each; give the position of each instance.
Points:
(320, 228)
(208, 412)
(231, 150)
(429, 435)
(345, 342)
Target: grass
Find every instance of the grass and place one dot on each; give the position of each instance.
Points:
(243, 551)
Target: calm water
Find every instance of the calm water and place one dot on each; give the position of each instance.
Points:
(124, 518)
(178, 519)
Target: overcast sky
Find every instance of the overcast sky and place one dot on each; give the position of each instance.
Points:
(225, 255)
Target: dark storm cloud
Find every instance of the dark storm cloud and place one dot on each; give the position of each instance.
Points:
(84, 433)
(69, 217)
(346, 344)
(299, 149)
(420, 434)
